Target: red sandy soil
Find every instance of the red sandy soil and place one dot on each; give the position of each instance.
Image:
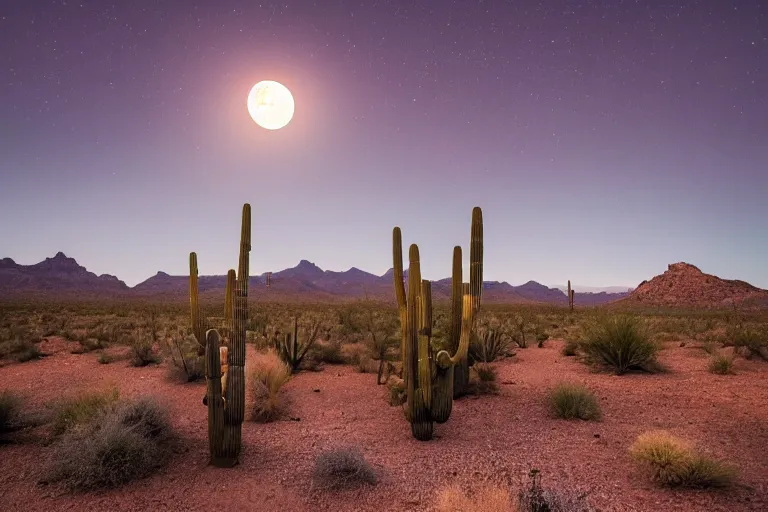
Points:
(498, 437)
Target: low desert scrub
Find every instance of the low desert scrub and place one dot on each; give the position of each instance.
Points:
(81, 408)
(87, 345)
(142, 351)
(573, 401)
(328, 352)
(673, 462)
(359, 356)
(185, 363)
(721, 364)
(571, 348)
(540, 499)
(486, 498)
(342, 468)
(267, 376)
(484, 380)
(621, 343)
(22, 349)
(120, 444)
(10, 411)
(750, 341)
(397, 391)
(490, 344)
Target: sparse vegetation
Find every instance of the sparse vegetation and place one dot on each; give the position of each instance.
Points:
(570, 348)
(342, 468)
(721, 364)
(484, 381)
(573, 401)
(117, 445)
(673, 462)
(540, 499)
(81, 408)
(142, 350)
(267, 377)
(486, 498)
(621, 343)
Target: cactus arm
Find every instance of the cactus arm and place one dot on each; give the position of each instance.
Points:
(214, 400)
(425, 334)
(476, 258)
(444, 359)
(229, 299)
(411, 339)
(198, 323)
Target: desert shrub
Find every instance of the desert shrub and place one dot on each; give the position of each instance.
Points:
(490, 344)
(673, 462)
(540, 499)
(142, 351)
(622, 343)
(487, 498)
(397, 391)
(120, 444)
(710, 348)
(541, 337)
(267, 376)
(10, 411)
(294, 346)
(329, 352)
(750, 341)
(571, 401)
(105, 358)
(721, 364)
(484, 380)
(81, 408)
(342, 468)
(570, 348)
(20, 347)
(359, 356)
(185, 363)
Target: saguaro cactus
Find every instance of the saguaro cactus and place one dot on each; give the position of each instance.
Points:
(225, 365)
(429, 378)
(570, 296)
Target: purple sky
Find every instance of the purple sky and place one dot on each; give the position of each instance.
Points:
(603, 139)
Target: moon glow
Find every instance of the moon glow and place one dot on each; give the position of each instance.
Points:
(270, 104)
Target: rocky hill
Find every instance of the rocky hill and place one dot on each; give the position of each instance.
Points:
(684, 285)
(53, 277)
(63, 277)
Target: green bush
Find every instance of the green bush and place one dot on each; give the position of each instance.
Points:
(81, 408)
(573, 401)
(721, 364)
(621, 343)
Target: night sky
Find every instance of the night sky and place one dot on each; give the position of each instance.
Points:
(603, 139)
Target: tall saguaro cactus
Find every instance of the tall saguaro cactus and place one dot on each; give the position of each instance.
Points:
(570, 296)
(429, 378)
(225, 393)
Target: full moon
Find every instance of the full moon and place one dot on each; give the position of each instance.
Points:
(270, 104)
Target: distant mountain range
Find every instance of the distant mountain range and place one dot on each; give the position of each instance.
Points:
(62, 277)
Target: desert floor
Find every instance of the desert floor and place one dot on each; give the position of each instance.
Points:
(492, 437)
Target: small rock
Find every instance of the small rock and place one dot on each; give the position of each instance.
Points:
(316, 390)
(597, 436)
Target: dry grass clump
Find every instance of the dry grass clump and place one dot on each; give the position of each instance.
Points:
(329, 352)
(484, 381)
(20, 345)
(571, 348)
(359, 356)
(342, 468)
(673, 462)
(721, 364)
(622, 343)
(81, 408)
(573, 401)
(122, 443)
(397, 391)
(537, 498)
(185, 363)
(142, 350)
(267, 376)
(487, 498)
